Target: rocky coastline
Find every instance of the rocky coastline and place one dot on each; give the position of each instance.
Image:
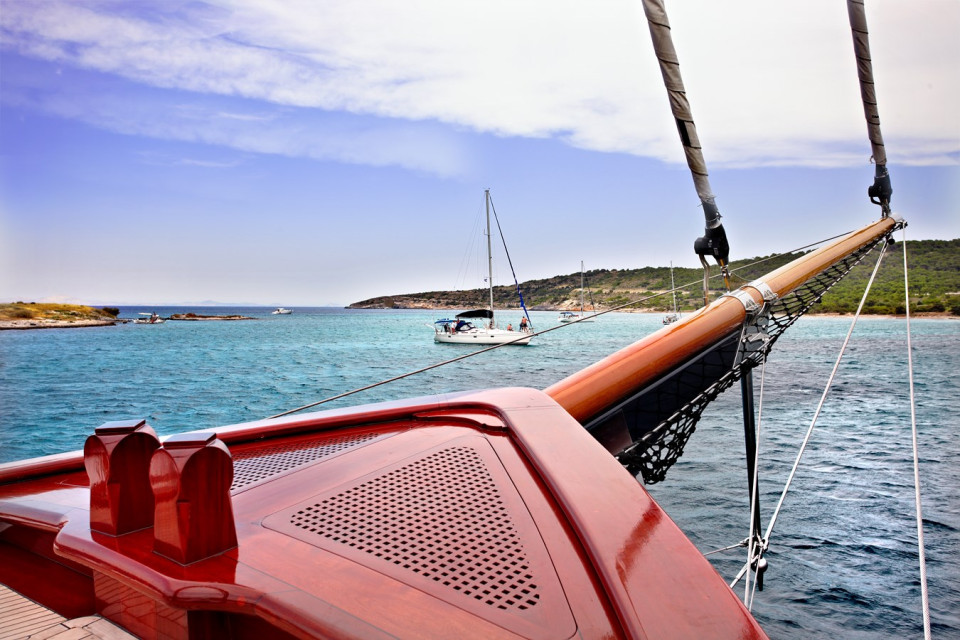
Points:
(18, 316)
(34, 315)
(203, 318)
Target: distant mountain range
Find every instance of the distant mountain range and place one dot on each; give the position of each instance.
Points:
(934, 286)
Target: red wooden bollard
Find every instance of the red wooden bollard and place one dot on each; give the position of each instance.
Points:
(117, 458)
(191, 477)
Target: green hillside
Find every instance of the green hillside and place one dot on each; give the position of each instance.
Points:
(934, 286)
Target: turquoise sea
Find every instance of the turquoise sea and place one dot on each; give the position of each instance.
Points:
(843, 558)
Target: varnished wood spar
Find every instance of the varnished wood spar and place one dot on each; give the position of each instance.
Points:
(593, 390)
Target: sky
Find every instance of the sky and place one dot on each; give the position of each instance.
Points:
(320, 152)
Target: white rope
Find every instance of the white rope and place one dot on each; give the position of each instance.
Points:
(722, 549)
(823, 397)
(916, 458)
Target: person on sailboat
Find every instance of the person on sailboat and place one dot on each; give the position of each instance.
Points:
(523, 323)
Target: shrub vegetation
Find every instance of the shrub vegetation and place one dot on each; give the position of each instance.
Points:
(934, 285)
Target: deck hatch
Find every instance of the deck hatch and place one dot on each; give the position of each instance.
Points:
(253, 465)
(441, 517)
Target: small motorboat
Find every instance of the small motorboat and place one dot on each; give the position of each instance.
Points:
(280, 311)
(149, 318)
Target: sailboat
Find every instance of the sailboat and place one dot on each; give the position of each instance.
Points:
(570, 316)
(498, 513)
(670, 318)
(478, 326)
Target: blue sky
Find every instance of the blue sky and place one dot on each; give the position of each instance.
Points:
(318, 153)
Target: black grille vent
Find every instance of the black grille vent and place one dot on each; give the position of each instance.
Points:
(254, 465)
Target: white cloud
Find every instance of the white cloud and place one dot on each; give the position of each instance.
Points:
(770, 83)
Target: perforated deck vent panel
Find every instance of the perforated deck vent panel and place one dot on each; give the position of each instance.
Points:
(253, 465)
(441, 517)
(446, 516)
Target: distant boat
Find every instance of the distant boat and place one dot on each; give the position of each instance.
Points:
(280, 311)
(151, 318)
(460, 330)
(570, 316)
(670, 318)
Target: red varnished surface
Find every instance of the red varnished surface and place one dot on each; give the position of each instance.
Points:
(463, 507)
(660, 584)
(604, 560)
(59, 463)
(51, 583)
(117, 459)
(191, 477)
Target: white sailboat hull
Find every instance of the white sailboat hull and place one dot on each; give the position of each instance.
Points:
(576, 318)
(483, 336)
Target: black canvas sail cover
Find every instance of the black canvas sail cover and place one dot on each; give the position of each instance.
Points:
(476, 313)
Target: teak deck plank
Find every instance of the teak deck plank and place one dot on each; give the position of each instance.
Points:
(22, 618)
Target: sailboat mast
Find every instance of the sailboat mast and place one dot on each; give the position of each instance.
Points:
(673, 288)
(581, 287)
(486, 194)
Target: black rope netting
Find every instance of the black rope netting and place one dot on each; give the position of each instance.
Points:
(662, 417)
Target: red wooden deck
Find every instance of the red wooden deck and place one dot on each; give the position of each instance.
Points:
(485, 515)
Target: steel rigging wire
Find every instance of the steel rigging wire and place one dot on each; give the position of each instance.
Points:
(924, 596)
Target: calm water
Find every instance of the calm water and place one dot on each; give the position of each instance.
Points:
(843, 559)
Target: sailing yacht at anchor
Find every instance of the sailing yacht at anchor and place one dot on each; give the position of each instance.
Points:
(461, 329)
(670, 318)
(570, 316)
